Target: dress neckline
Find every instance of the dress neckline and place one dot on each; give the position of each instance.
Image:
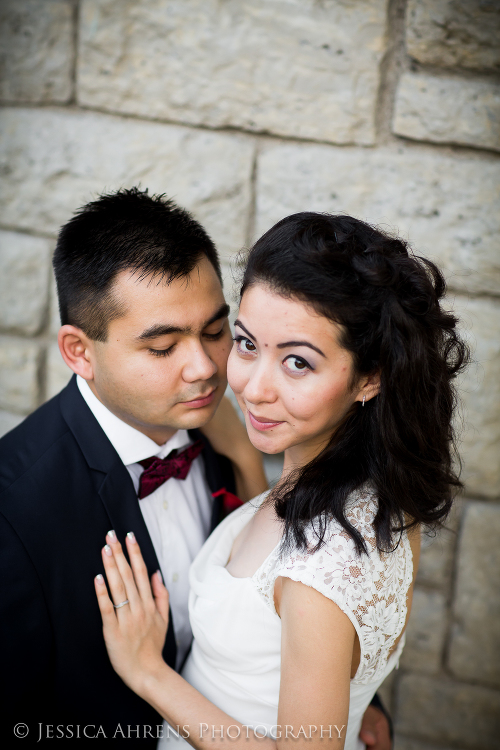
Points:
(256, 503)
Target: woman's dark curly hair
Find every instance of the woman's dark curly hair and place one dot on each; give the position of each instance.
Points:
(387, 302)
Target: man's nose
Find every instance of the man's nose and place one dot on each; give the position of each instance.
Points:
(198, 364)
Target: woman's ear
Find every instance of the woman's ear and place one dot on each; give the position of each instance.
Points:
(75, 348)
(370, 387)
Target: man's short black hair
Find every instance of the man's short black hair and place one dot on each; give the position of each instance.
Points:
(128, 229)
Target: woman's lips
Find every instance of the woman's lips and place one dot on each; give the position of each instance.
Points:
(197, 403)
(260, 423)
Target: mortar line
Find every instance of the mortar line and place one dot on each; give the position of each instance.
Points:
(390, 70)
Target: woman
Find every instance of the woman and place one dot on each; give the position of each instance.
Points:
(343, 359)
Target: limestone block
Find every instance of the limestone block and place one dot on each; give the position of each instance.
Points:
(479, 389)
(36, 50)
(8, 421)
(448, 110)
(53, 161)
(475, 644)
(443, 711)
(454, 33)
(58, 372)
(291, 67)
(447, 205)
(231, 286)
(437, 551)
(387, 689)
(19, 365)
(24, 261)
(425, 632)
(436, 558)
(408, 743)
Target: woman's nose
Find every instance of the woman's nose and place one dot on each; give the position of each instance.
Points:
(260, 386)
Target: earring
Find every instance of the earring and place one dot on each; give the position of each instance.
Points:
(364, 399)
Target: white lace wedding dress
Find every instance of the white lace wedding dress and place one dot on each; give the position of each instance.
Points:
(235, 658)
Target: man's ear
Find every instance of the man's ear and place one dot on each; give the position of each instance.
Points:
(76, 348)
(370, 387)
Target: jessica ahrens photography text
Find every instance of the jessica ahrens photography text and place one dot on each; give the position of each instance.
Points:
(203, 730)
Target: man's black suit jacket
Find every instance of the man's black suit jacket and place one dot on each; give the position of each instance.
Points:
(62, 487)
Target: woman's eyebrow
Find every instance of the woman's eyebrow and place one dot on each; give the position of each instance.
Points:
(301, 343)
(286, 344)
(240, 325)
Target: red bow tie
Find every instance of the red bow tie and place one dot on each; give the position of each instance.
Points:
(158, 470)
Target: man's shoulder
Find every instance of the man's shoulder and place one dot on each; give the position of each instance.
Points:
(22, 447)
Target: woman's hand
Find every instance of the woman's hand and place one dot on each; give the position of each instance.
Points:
(228, 436)
(134, 632)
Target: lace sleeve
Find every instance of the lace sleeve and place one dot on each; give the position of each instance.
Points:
(370, 589)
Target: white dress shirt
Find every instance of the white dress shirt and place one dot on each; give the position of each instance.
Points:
(177, 514)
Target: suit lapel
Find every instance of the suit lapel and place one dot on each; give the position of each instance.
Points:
(113, 485)
(115, 488)
(111, 478)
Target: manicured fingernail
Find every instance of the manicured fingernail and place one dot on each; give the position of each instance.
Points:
(99, 579)
(158, 573)
(131, 536)
(108, 550)
(112, 535)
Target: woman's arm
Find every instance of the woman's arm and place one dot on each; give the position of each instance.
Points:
(316, 658)
(316, 654)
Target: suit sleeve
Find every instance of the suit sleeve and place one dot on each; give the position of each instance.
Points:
(26, 651)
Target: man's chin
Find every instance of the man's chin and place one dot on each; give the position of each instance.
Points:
(194, 418)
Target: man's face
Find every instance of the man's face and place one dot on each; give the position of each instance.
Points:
(163, 365)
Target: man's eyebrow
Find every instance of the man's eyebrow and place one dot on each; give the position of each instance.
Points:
(222, 312)
(301, 343)
(163, 329)
(286, 344)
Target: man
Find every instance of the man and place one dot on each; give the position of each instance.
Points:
(145, 330)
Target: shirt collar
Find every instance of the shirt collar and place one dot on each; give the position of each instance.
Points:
(130, 444)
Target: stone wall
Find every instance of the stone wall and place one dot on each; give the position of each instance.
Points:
(245, 112)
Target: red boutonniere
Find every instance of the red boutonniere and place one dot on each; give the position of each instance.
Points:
(229, 501)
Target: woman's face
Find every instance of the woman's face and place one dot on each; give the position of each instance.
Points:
(292, 379)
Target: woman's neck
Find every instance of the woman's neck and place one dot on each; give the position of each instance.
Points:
(300, 455)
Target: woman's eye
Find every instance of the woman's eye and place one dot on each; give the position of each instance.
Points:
(296, 364)
(244, 345)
